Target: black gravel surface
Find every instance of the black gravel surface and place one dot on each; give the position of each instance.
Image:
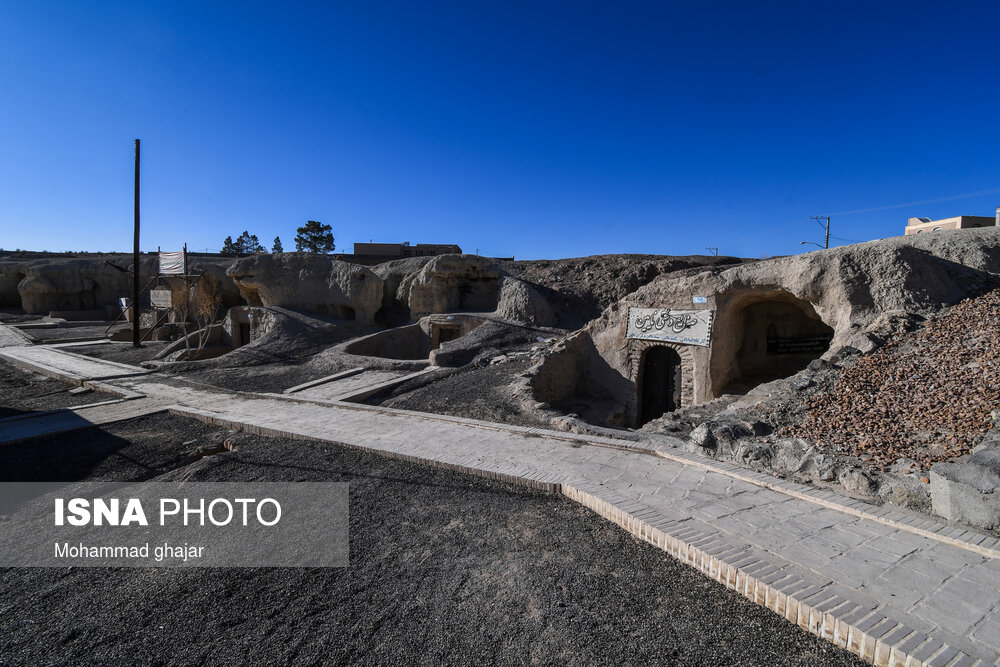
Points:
(445, 569)
(122, 352)
(25, 392)
(475, 392)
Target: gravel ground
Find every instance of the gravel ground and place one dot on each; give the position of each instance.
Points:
(30, 392)
(9, 316)
(274, 378)
(925, 396)
(122, 352)
(475, 392)
(445, 569)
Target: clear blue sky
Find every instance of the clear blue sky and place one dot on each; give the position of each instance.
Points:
(526, 129)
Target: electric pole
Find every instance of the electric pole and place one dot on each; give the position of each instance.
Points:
(715, 251)
(135, 257)
(818, 218)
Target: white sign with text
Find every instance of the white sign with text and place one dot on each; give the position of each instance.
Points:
(690, 327)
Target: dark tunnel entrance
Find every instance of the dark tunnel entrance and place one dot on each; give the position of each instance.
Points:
(780, 336)
(660, 383)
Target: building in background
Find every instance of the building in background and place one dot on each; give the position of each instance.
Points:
(405, 249)
(920, 225)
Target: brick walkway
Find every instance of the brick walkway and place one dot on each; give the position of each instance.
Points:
(892, 586)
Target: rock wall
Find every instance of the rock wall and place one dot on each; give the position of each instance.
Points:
(309, 282)
(43, 284)
(450, 283)
(521, 302)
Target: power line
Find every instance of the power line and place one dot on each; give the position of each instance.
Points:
(916, 203)
(817, 218)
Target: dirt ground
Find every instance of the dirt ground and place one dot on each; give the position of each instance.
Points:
(445, 569)
(25, 392)
(475, 392)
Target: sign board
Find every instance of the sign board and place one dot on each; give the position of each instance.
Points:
(691, 327)
(802, 345)
(699, 299)
(160, 298)
(172, 263)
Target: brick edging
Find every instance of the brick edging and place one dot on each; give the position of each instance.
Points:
(763, 578)
(869, 634)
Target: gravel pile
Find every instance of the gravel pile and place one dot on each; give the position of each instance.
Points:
(925, 396)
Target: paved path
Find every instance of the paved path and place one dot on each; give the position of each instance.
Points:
(355, 386)
(35, 425)
(892, 586)
(12, 337)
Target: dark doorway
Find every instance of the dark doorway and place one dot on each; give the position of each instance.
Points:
(244, 334)
(661, 383)
(446, 334)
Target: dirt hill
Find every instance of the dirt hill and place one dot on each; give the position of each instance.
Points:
(579, 288)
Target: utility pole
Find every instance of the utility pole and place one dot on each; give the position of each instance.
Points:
(817, 218)
(715, 251)
(135, 257)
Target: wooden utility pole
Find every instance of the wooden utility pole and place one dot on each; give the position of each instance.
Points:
(817, 218)
(135, 257)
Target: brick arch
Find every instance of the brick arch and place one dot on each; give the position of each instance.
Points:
(637, 351)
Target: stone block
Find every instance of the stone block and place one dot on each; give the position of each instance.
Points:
(969, 492)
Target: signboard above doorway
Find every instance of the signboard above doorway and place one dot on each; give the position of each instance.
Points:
(690, 327)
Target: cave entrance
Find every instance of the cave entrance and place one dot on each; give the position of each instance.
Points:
(660, 383)
(244, 336)
(780, 336)
(446, 333)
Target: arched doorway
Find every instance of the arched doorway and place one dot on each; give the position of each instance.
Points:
(659, 383)
(777, 337)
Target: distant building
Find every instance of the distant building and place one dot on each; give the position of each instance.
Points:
(405, 249)
(921, 225)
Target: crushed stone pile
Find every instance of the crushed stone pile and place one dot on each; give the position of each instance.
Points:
(925, 396)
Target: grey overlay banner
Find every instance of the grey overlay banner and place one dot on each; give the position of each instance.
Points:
(174, 524)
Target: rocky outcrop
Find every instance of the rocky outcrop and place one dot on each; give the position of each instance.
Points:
(848, 289)
(449, 283)
(43, 284)
(309, 282)
(969, 490)
(520, 302)
(420, 286)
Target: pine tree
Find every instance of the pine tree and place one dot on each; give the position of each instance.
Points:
(314, 236)
(228, 247)
(276, 246)
(248, 244)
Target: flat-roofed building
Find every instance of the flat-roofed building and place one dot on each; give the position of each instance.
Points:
(921, 225)
(405, 249)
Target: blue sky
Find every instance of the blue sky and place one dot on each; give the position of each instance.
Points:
(527, 129)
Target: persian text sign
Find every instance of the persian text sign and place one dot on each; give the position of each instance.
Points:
(691, 327)
(160, 298)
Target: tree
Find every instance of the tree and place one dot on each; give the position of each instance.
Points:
(314, 236)
(245, 244)
(248, 244)
(228, 247)
(276, 246)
